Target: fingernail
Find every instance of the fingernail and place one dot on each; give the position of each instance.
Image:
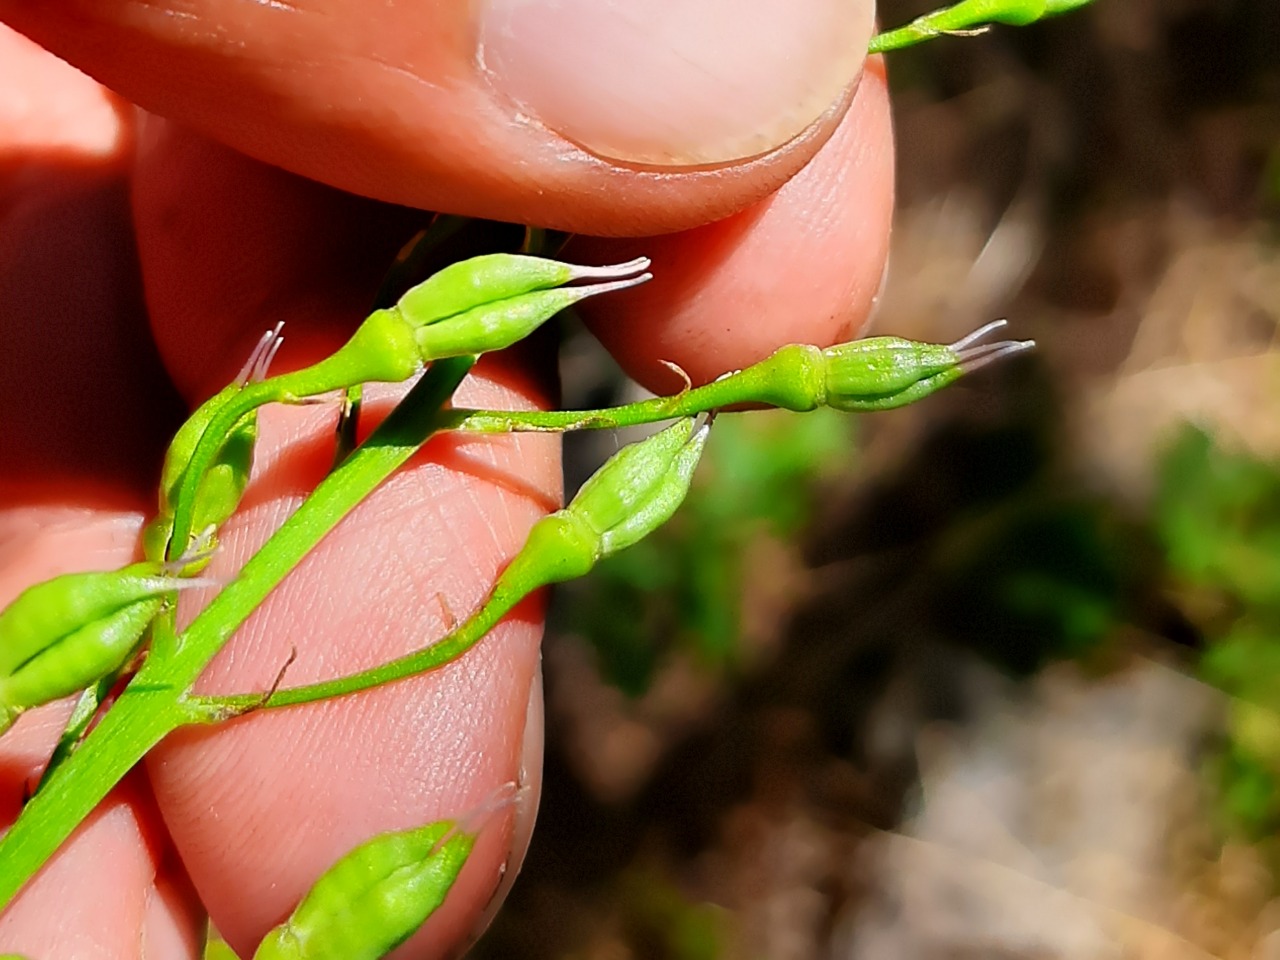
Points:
(674, 82)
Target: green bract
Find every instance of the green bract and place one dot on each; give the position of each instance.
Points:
(60, 636)
(374, 898)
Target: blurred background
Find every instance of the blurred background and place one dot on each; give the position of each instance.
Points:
(997, 675)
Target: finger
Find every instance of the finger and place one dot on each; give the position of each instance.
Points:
(592, 115)
(108, 893)
(803, 266)
(115, 882)
(259, 808)
(229, 246)
(82, 408)
(82, 396)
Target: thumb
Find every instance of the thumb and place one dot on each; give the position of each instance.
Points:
(600, 116)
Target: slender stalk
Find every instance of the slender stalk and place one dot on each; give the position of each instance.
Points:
(859, 376)
(156, 701)
(790, 379)
(967, 18)
(77, 725)
(445, 650)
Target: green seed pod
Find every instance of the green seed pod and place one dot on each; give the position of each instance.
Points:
(62, 635)
(474, 306)
(631, 495)
(867, 371)
(216, 499)
(663, 500)
(501, 323)
(77, 660)
(471, 283)
(224, 483)
(630, 478)
(881, 373)
(44, 613)
(374, 898)
(493, 278)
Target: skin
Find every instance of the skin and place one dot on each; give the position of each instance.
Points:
(120, 311)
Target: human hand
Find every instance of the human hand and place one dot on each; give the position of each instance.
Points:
(394, 107)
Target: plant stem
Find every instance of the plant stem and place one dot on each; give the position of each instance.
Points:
(786, 380)
(156, 702)
(445, 650)
(969, 17)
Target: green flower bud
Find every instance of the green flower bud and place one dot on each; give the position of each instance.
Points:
(472, 283)
(374, 898)
(498, 324)
(631, 495)
(216, 499)
(223, 485)
(865, 371)
(62, 635)
(470, 307)
(663, 499)
(881, 373)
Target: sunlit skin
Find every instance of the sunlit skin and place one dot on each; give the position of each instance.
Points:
(219, 248)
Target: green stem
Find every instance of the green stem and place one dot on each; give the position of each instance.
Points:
(445, 650)
(77, 725)
(156, 701)
(966, 17)
(791, 379)
(160, 644)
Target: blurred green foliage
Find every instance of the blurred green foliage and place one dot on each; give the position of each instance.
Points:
(666, 925)
(681, 589)
(1009, 554)
(1038, 578)
(1218, 517)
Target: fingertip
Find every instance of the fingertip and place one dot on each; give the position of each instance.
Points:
(112, 871)
(404, 106)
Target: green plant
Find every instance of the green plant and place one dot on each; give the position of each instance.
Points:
(437, 328)
(1218, 516)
